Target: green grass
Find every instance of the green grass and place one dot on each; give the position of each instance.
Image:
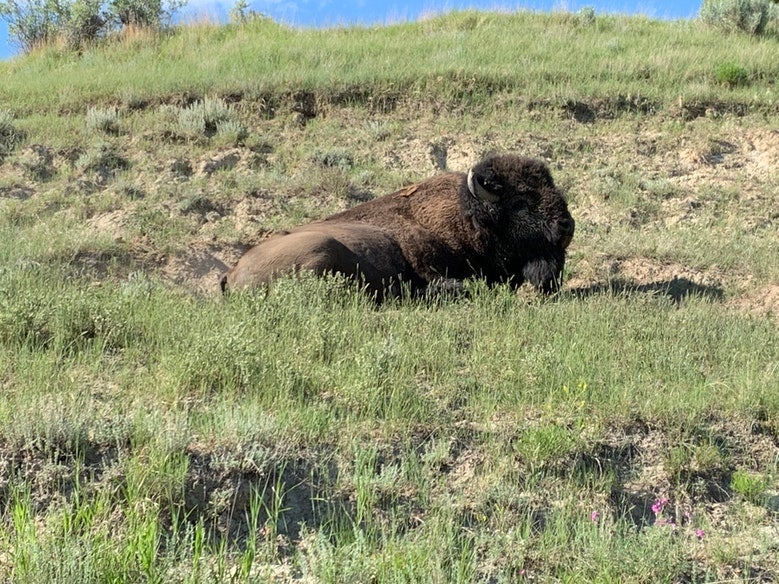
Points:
(292, 385)
(151, 430)
(467, 55)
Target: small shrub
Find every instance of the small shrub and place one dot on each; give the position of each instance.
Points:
(103, 160)
(144, 13)
(750, 16)
(25, 318)
(169, 117)
(191, 121)
(103, 120)
(336, 158)
(10, 136)
(586, 16)
(37, 161)
(202, 118)
(215, 111)
(32, 23)
(242, 13)
(731, 74)
(85, 23)
(379, 130)
(232, 132)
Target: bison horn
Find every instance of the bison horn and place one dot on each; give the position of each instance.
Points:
(478, 191)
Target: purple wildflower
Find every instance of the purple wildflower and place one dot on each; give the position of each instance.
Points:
(595, 516)
(700, 534)
(659, 505)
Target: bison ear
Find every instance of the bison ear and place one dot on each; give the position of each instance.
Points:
(483, 189)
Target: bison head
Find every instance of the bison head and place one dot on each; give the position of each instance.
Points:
(523, 218)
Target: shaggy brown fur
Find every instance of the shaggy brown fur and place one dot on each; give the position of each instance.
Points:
(504, 221)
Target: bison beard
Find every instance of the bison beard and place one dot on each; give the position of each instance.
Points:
(504, 221)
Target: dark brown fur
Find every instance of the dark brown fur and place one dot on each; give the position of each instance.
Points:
(514, 227)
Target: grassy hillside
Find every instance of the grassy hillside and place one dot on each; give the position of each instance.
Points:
(550, 59)
(623, 431)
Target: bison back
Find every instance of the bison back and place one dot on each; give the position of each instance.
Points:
(363, 252)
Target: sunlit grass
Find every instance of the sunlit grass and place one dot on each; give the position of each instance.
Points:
(149, 432)
(553, 57)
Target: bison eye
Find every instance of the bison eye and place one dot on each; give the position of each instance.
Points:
(492, 186)
(483, 182)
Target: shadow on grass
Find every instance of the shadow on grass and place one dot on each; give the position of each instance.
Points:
(676, 289)
(286, 494)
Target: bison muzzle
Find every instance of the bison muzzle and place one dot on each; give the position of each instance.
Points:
(503, 221)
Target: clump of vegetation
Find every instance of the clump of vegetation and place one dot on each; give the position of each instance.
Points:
(145, 13)
(750, 16)
(37, 161)
(104, 120)
(33, 23)
(587, 15)
(79, 22)
(335, 158)
(731, 74)
(205, 118)
(103, 159)
(241, 13)
(84, 22)
(10, 135)
(231, 132)
(749, 485)
(379, 130)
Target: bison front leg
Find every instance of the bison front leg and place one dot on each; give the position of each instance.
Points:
(443, 288)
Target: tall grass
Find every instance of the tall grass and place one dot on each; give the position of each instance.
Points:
(135, 385)
(553, 58)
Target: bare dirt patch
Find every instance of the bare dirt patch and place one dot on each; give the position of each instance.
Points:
(762, 302)
(428, 156)
(112, 223)
(727, 159)
(199, 270)
(644, 271)
(635, 274)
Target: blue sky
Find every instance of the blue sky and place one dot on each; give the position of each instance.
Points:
(343, 12)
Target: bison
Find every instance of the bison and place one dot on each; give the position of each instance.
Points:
(503, 221)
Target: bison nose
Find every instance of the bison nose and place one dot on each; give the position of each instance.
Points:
(567, 226)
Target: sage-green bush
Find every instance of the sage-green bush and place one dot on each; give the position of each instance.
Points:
(10, 135)
(750, 16)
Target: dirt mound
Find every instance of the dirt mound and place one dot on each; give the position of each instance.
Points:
(721, 160)
(424, 157)
(199, 270)
(635, 274)
(112, 223)
(762, 302)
